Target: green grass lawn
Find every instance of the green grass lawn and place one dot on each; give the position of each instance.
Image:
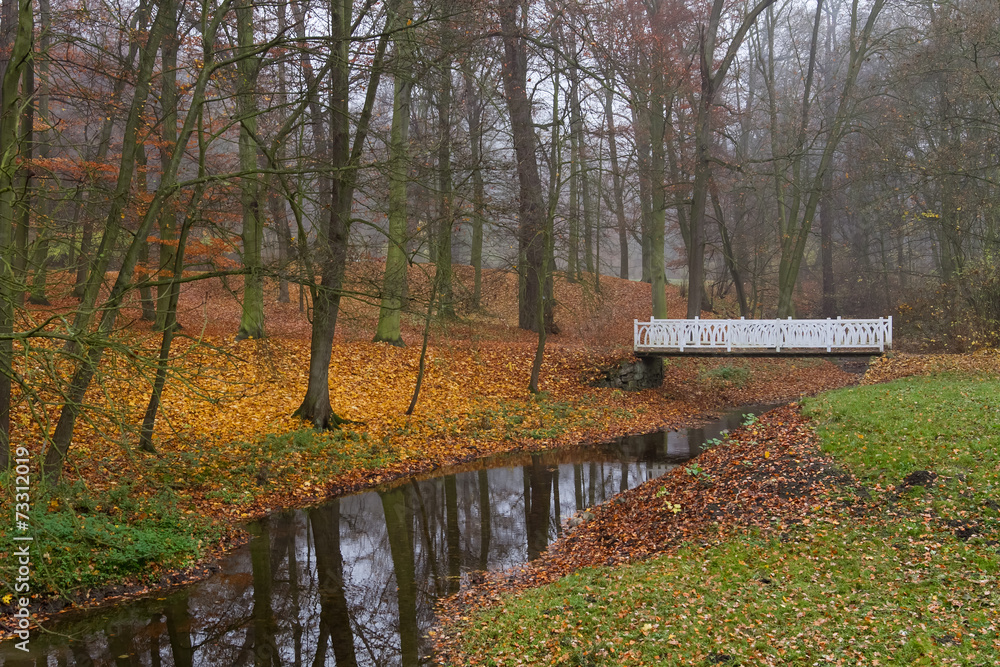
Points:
(912, 579)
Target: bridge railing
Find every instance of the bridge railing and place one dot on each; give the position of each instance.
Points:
(763, 335)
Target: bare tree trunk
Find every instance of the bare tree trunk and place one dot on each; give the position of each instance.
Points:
(27, 144)
(333, 232)
(146, 301)
(16, 30)
(640, 119)
(576, 173)
(168, 139)
(802, 211)
(446, 214)
(247, 68)
(616, 179)
(474, 106)
(728, 252)
(657, 232)
(531, 243)
(394, 281)
(588, 205)
(40, 259)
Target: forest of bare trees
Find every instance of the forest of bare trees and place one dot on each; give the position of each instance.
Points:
(772, 158)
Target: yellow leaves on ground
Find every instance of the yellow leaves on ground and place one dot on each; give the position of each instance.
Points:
(223, 399)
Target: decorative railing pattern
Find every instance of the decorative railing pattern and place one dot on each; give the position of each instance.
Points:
(763, 335)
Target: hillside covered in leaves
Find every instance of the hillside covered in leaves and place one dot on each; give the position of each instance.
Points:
(228, 449)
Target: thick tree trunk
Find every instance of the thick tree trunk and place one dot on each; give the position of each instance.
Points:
(16, 31)
(333, 232)
(531, 243)
(168, 139)
(394, 281)
(252, 316)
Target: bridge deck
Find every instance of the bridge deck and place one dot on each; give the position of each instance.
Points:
(763, 338)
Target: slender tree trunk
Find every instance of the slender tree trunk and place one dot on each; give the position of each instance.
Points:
(657, 232)
(87, 286)
(87, 367)
(799, 225)
(475, 110)
(146, 300)
(446, 215)
(169, 324)
(640, 119)
(422, 364)
(576, 172)
(587, 202)
(27, 147)
(40, 260)
(728, 252)
(616, 179)
(713, 74)
(829, 304)
(279, 214)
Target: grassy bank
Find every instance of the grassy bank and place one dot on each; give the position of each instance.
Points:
(900, 567)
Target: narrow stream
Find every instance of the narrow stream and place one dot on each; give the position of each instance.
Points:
(353, 581)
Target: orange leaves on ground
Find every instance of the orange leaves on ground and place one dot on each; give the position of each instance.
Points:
(902, 364)
(224, 398)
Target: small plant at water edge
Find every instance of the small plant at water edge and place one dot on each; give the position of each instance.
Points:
(696, 471)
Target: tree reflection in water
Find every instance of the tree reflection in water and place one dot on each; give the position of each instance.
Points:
(354, 580)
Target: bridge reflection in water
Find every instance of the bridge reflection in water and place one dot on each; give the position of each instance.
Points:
(354, 580)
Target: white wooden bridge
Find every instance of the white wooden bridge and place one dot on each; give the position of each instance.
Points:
(829, 337)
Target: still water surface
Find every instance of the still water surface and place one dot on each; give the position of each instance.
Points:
(352, 582)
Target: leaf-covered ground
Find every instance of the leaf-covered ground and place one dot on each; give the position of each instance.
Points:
(228, 449)
(771, 552)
